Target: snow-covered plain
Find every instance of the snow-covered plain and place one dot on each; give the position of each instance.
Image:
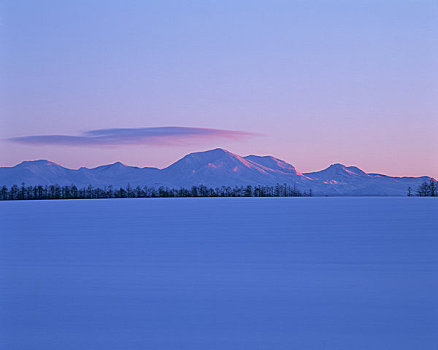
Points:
(236, 273)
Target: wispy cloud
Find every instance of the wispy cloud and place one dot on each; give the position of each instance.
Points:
(134, 136)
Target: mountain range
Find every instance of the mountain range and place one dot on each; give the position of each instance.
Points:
(214, 168)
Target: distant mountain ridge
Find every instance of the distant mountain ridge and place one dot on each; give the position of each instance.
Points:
(214, 168)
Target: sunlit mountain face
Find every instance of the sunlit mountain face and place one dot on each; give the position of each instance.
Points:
(214, 168)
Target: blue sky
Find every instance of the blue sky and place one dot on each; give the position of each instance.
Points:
(312, 82)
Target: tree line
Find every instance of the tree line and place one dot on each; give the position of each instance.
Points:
(39, 192)
(426, 189)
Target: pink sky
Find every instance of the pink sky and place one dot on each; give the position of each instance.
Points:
(312, 83)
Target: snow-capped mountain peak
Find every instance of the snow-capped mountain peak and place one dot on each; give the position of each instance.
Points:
(273, 163)
(214, 159)
(42, 163)
(112, 167)
(337, 172)
(351, 170)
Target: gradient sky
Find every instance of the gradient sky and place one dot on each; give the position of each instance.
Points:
(311, 82)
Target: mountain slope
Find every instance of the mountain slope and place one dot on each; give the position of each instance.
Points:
(274, 164)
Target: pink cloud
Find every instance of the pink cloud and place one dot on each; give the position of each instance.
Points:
(134, 136)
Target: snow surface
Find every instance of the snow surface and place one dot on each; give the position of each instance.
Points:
(211, 273)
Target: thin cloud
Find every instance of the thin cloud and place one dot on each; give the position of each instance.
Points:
(134, 136)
